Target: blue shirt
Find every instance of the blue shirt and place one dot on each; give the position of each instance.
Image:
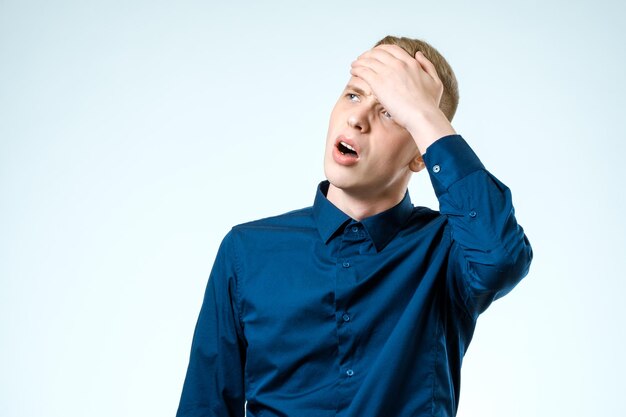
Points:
(314, 314)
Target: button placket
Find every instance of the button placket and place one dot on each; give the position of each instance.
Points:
(348, 258)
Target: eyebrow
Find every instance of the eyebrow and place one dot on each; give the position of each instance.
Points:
(356, 89)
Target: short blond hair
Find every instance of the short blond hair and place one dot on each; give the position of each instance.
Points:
(450, 97)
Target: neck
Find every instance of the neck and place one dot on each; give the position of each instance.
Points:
(359, 206)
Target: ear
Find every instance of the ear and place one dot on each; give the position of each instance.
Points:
(417, 163)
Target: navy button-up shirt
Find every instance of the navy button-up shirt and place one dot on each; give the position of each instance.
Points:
(314, 314)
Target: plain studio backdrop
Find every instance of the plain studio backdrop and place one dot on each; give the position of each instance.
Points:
(134, 134)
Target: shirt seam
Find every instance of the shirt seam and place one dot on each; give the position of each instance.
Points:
(237, 284)
(433, 372)
(239, 306)
(466, 309)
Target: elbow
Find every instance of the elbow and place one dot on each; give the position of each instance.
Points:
(508, 268)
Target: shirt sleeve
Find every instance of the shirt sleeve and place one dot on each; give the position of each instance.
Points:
(490, 253)
(214, 384)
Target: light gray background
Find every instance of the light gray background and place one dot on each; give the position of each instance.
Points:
(134, 134)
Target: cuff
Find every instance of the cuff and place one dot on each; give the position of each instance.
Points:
(448, 160)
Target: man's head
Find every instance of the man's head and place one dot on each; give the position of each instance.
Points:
(367, 153)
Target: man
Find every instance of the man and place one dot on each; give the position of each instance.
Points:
(362, 305)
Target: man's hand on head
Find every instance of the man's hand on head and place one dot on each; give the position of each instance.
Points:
(409, 89)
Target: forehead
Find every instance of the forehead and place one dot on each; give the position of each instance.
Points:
(360, 87)
(358, 83)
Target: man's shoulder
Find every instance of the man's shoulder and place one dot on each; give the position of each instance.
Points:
(300, 218)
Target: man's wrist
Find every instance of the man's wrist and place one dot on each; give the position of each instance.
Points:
(449, 160)
(428, 126)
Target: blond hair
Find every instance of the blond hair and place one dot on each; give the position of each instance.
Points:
(450, 97)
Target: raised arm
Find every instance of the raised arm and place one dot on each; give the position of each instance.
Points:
(489, 252)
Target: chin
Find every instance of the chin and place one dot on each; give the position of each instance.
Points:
(345, 181)
(335, 176)
(348, 179)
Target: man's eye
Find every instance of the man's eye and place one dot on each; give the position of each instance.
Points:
(386, 114)
(352, 97)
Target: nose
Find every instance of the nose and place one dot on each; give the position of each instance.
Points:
(358, 119)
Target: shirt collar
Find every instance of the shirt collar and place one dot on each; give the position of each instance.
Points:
(381, 227)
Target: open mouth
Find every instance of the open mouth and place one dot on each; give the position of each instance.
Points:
(346, 149)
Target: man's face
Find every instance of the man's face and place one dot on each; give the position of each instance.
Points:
(367, 153)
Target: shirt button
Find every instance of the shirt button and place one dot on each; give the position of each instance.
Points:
(355, 229)
(472, 214)
(346, 317)
(436, 168)
(349, 372)
(346, 264)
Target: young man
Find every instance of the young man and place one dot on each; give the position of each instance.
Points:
(362, 305)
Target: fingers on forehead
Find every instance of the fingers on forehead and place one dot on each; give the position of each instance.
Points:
(389, 51)
(393, 50)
